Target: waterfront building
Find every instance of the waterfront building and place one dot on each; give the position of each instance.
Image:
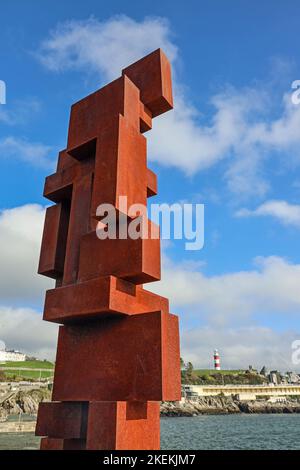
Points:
(273, 377)
(11, 355)
(241, 392)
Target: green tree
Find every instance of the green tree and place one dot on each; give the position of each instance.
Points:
(190, 376)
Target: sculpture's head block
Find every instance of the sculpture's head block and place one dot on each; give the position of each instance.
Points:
(152, 75)
(142, 92)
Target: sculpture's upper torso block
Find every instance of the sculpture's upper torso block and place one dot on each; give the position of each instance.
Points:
(132, 358)
(105, 160)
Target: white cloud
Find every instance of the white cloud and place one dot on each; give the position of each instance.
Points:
(239, 132)
(17, 148)
(20, 239)
(34, 153)
(19, 112)
(226, 304)
(181, 139)
(104, 47)
(239, 347)
(226, 312)
(24, 329)
(270, 288)
(287, 214)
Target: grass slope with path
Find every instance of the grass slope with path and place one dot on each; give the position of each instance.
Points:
(37, 370)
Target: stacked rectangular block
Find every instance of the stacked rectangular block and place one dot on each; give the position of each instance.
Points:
(118, 346)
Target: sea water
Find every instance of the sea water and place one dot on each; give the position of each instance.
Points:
(242, 431)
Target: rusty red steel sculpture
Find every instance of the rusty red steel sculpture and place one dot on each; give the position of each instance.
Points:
(118, 345)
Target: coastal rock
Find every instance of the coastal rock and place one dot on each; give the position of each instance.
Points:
(224, 405)
(24, 402)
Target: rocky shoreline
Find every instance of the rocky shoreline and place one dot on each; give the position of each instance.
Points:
(23, 402)
(227, 405)
(27, 403)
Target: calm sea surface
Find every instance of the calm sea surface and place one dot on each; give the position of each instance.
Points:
(208, 432)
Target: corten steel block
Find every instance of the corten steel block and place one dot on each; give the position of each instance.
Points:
(100, 298)
(137, 261)
(59, 185)
(123, 426)
(145, 118)
(120, 166)
(51, 444)
(54, 241)
(64, 161)
(151, 183)
(79, 225)
(85, 150)
(147, 80)
(125, 359)
(48, 443)
(62, 420)
(93, 113)
(152, 75)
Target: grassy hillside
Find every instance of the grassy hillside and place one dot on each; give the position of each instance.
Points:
(31, 364)
(222, 372)
(37, 370)
(221, 377)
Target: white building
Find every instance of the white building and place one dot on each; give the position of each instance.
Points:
(15, 356)
(242, 392)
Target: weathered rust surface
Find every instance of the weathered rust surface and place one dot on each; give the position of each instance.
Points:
(127, 359)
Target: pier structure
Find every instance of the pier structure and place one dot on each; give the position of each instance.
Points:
(118, 344)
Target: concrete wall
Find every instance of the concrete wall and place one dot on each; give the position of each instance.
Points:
(26, 426)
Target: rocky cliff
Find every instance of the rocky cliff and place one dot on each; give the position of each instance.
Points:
(22, 402)
(27, 402)
(224, 405)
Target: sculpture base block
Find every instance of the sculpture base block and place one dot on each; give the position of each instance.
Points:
(115, 425)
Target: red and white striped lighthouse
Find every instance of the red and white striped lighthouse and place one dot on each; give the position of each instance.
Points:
(217, 360)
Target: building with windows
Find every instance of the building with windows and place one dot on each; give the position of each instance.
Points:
(11, 355)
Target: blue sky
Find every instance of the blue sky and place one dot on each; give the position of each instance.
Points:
(232, 143)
